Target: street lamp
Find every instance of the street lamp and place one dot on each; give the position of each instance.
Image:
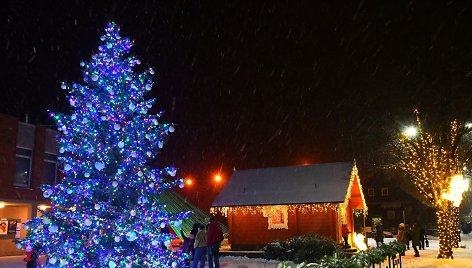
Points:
(217, 178)
(410, 132)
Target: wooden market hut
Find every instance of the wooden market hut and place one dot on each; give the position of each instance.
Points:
(263, 205)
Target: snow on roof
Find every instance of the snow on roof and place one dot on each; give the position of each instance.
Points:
(322, 183)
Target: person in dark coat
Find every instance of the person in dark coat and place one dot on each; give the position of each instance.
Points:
(345, 234)
(422, 236)
(407, 236)
(191, 237)
(379, 236)
(415, 238)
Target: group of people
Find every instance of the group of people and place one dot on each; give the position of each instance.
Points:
(416, 235)
(204, 241)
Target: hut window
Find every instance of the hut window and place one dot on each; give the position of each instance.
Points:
(277, 217)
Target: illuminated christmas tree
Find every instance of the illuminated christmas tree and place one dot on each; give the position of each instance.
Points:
(435, 161)
(107, 211)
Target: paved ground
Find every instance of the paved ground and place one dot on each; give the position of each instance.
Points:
(462, 258)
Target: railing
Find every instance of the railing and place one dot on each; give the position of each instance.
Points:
(392, 262)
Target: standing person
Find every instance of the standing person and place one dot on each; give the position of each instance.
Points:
(379, 236)
(415, 238)
(191, 237)
(422, 236)
(32, 257)
(345, 234)
(407, 236)
(401, 237)
(200, 247)
(214, 238)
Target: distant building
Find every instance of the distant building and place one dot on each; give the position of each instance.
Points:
(263, 205)
(389, 205)
(28, 158)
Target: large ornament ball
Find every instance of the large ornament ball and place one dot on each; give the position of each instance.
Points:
(111, 264)
(133, 154)
(114, 184)
(94, 77)
(63, 86)
(132, 106)
(148, 153)
(171, 129)
(151, 185)
(53, 228)
(132, 212)
(67, 167)
(26, 227)
(127, 265)
(72, 102)
(117, 239)
(70, 191)
(86, 174)
(46, 220)
(172, 172)
(181, 186)
(154, 242)
(18, 246)
(151, 71)
(160, 144)
(73, 116)
(174, 264)
(70, 251)
(52, 260)
(109, 45)
(103, 118)
(131, 236)
(88, 222)
(82, 63)
(88, 104)
(62, 150)
(148, 87)
(140, 173)
(99, 165)
(63, 262)
(129, 78)
(97, 206)
(117, 127)
(103, 38)
(177, 223)
(163, 225)
(167, 243)
(147, 136)
(154, 120)
(121, 144)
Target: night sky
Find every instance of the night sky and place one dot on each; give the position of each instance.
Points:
(253, 84)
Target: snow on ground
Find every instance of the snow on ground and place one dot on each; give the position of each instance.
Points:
(462, 258)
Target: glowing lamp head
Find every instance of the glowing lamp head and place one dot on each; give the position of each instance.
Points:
(410, 132)
(2, 205)
(218, 178)
(188, 181)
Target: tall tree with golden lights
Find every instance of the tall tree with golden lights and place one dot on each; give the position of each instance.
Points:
(434, 160)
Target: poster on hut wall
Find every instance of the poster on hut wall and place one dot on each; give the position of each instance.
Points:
(12, 226)
(3, 226)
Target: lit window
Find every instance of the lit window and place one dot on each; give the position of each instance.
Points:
(371, 192)
(385, 191)
(22, 174)
(50, 168)
(277, 216)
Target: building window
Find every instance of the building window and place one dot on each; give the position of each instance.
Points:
(385, 191)
(370, 192)
(50, 168)
(22, 176)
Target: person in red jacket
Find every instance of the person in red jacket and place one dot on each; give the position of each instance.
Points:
(214, 238)
(32, 257)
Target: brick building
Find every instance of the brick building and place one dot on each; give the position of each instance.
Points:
(28, 158)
